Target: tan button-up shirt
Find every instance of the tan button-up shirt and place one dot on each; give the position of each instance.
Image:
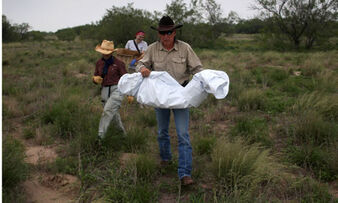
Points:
(180, 62)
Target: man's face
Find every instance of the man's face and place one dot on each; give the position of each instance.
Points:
(167, 37)
(106, 56)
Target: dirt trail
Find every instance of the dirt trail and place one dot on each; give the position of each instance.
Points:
(42, 187)
(50, 188)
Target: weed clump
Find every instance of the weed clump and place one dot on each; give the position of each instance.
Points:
(136, 140)
(14, 168)
(143, 167)
(253, 129)
(238, 165)
(146, 118)
(203, 145)
(251, 99)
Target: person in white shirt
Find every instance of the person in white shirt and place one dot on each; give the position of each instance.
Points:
(139, 45)
(139, 41)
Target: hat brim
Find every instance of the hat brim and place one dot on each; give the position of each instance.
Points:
(103, 51)
(166, 28)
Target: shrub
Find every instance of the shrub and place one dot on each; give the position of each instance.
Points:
(196, 114)
(146, 118)
(115, 140)
(13, 167)
(278, 75)
(67, 165)
(262, 77)
(28, 133)
(82, 66)
(251, 99)
(312, 67)
(123, 186)
(308, 190)
(144, 167)
(203, 145)
(253, 129)
(323, 163)
(136, 140)
(290, 86)
(318, 102)
(141, 192)
(311, 128)
(327, 82)
(238, 165)
(277, 102)
(63, 115)
(70, 116)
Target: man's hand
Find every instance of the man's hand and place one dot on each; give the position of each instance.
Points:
(97, 79)
(145, 72)
(130, 99)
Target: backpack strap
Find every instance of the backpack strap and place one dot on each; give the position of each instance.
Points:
(138, 50)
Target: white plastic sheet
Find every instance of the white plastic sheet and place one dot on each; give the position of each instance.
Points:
(162, 91)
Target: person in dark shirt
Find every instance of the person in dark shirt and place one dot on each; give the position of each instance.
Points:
(108, 72)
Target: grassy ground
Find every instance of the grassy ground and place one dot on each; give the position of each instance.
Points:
(274, 138)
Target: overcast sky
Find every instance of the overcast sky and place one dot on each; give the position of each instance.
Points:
(51, 15)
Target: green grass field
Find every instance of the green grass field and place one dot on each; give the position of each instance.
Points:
(273, 139)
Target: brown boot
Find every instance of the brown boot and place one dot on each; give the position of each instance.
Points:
(187, 180)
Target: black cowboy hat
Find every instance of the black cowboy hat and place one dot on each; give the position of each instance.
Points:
(166, 24)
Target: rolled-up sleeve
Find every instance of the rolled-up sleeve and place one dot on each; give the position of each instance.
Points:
(146, 60)
(194, 64)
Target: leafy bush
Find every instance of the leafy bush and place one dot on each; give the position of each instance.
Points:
(13, 167)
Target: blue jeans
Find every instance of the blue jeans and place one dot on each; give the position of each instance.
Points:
(181, 117)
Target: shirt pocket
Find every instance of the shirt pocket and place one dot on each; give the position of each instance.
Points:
(179, 65)
(159, 65)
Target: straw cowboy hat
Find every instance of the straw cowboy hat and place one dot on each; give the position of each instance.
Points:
(166, 24)
(106, 47)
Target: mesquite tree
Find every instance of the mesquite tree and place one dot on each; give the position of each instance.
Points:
(300, 19)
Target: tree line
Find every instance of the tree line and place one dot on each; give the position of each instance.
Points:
(282, 23)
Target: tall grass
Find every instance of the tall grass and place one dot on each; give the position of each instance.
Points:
(241, 166)
(14, 169)
(251, 99)
(203, 145)
(132, 184)
(318, 102)
(143, 166)
(252, 129)
(49, 92)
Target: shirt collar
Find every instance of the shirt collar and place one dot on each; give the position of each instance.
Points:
(174, 48)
